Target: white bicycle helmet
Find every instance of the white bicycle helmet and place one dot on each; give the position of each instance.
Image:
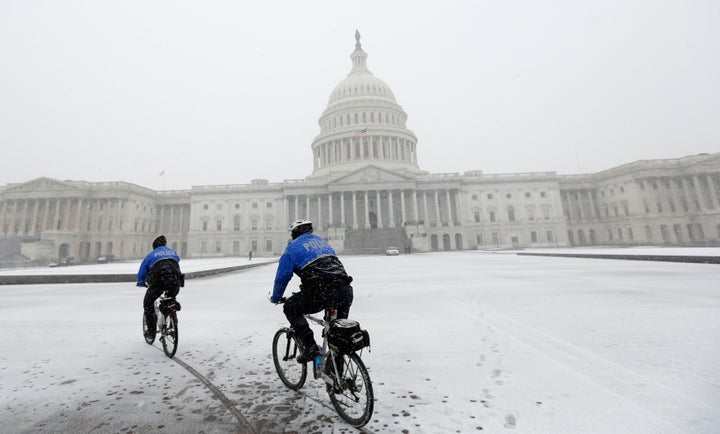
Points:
(299, 227)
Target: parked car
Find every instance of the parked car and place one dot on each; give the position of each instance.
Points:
(392, 251)
(105, 259)
(63, 262)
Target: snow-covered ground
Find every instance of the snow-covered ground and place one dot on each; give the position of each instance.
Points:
(462, 342)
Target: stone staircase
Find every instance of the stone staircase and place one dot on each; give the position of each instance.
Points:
(374, 241)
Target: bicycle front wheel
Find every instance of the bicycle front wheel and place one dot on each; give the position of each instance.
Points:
(352, 396)
(170, 336)
(285, 352)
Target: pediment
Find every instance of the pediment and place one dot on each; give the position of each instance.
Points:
(41, 184)
(370, 175)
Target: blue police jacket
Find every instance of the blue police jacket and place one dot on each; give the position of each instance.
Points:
(162, 252)
(310, 257)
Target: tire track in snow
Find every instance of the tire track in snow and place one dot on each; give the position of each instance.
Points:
(243, 424)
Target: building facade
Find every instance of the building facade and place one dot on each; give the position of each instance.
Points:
(367, 192)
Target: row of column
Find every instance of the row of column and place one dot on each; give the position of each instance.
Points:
(370, 202)
(57, 214)
(661, 195)
(174, 219)
(696, 192)
(364, 148)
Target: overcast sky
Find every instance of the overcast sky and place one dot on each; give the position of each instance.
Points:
(222, 92)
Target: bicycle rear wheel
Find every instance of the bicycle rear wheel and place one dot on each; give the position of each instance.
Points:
(285, 351)
(352, 396)
(151, 339)
(170, 336)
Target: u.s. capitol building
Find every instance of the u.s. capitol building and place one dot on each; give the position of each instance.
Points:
(367, 192)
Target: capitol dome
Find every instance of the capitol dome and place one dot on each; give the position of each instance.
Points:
(363, 125)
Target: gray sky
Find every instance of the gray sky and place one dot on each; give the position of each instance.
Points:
(222, 92)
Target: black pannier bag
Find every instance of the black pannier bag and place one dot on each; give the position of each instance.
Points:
(169, 305)
(346, 336)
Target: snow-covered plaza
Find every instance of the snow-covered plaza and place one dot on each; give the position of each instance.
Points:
(461, 342)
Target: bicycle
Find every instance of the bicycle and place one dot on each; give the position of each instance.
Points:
(166, 309)
(350, 393)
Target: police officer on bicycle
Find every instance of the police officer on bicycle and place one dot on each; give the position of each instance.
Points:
(324, 283)
(160, 272)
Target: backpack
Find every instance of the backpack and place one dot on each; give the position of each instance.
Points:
(166, 272)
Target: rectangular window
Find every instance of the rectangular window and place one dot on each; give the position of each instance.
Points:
(204, 226)
(268, 245)
(254, 224)
(533, 236)
(492, 216)
(549, 235)
(218, 225)
(218, 246)
(477, 216)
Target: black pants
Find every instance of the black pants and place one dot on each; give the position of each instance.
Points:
(300, 304)
(151, 295)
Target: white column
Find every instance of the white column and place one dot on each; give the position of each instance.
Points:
(713, 191)
(46, 217)
(415, 207)
(391, 210)
(451, 221)
(286, 210)
(437, 209)
(330, 209)
(342, 208)
(319, 210)
(367, 212)
(699, 193)
(379, 212)
(425, 209)
(402, 206)
(23, 221)
(78, 214)
(33, 222)
(354, 210)
(66, 218)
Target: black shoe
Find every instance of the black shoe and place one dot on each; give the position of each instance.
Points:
(150, 334)
(309, 354)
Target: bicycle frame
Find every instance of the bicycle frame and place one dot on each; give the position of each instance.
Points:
(161, 318)
(319, 371)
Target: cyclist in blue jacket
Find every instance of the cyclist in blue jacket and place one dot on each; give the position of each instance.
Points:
(323, 283)
(160, 272)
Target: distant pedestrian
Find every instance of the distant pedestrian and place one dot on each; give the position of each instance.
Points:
(250, 255)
